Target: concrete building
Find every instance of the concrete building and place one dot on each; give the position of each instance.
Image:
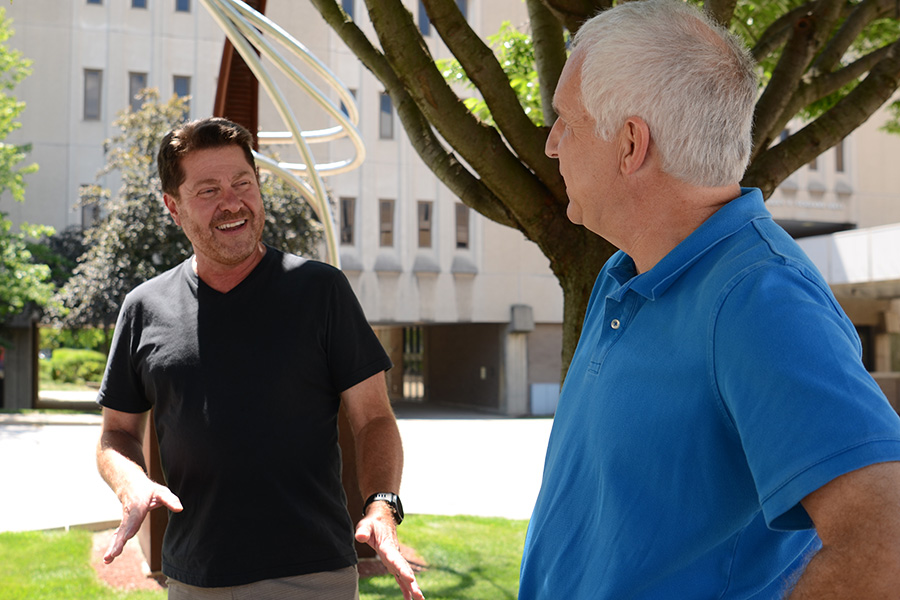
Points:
(468, 309)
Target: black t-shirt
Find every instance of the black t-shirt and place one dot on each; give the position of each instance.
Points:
(245, 388)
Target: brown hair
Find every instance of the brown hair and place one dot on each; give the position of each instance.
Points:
(212, 132)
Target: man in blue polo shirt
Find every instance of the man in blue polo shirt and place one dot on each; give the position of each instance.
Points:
(717, 435)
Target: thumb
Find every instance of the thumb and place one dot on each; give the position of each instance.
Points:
(163, 496)
(363, 531)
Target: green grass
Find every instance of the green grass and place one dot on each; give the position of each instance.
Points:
(54, 566)
(469, 558)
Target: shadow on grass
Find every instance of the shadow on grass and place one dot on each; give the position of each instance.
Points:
(441, 583)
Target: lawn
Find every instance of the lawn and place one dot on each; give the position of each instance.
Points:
(469, 558)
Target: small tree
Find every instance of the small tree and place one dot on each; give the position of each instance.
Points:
(22, 281)
(135, 238)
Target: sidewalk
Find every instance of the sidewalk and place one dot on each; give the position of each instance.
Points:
(456, 462)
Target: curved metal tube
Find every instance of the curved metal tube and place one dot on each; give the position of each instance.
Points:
(243, 25)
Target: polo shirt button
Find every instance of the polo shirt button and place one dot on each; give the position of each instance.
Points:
(615, 324)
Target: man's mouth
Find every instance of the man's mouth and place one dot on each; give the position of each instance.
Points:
(232, 225)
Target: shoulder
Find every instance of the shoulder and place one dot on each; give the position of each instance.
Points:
(161, 286)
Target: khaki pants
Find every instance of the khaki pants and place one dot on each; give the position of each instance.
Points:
(342, 584)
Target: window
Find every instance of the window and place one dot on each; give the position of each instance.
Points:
(182, 5)
(182, 87)
(462, 225)
(425, 218)
(93, 86)
(424, 23)
(347, 5)
(386, 223)
(463, 8)
(814, 164)
(839, 157)
(344, 106)
(386, 118)
(138, 3)
(90, 207)
(348, 214)
(136, 83)
(95, 1)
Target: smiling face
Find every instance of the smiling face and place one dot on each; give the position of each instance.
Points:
(219, 206)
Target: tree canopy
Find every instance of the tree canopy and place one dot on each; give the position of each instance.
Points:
(829, 63)
(23, 281)
(134, 238)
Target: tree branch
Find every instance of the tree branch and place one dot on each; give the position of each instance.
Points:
(808, 36)
(549, 53)
(479, 145)
(721, 11)
(469, 188)
(778, 32)
(863, 14)
(485, 72)
(572, 13)
(774, 165)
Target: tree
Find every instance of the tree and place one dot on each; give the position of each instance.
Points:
(135, 238)
(834, 62)
(23, 282)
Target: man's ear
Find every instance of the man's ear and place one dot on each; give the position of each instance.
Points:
(635, 144)
(173, 208)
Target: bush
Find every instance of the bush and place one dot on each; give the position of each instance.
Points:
(72, 365)
(91, 338)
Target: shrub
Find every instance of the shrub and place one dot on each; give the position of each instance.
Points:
(72, 365)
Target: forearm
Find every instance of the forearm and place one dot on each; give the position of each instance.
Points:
(120, 461)
(833, 574)
(379, 456)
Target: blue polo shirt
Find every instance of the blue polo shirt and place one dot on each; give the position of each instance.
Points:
(705, 399)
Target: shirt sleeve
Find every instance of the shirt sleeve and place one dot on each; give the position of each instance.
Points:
(122, 388)
(354, 351)
(787, 366)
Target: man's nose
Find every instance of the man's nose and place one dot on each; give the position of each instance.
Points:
(230, 201)
(551, 146)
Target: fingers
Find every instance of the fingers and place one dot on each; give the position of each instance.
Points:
(383, 538)
(134, 512)
(165, 497)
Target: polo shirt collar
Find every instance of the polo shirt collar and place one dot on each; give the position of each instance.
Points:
(726, 221)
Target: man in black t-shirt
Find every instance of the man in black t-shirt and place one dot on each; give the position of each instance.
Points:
(245, 355)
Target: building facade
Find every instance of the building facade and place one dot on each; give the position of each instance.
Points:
(468, 309)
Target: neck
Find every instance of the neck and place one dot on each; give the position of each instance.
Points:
(671, 217)
(224, 278)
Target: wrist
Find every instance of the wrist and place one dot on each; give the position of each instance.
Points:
(390, 501)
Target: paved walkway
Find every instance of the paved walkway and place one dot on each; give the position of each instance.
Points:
(456, 463)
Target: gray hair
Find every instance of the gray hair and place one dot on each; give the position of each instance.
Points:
(688, 78)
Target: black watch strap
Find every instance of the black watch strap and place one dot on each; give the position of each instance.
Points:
(392, 499)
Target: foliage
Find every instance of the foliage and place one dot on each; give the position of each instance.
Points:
(55, 566)
(135, 238)
(23, 280)
(515, 52)
(14, 67)
(74, 365)
(89, 338)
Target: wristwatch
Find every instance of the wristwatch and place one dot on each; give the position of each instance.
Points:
(393, 501)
